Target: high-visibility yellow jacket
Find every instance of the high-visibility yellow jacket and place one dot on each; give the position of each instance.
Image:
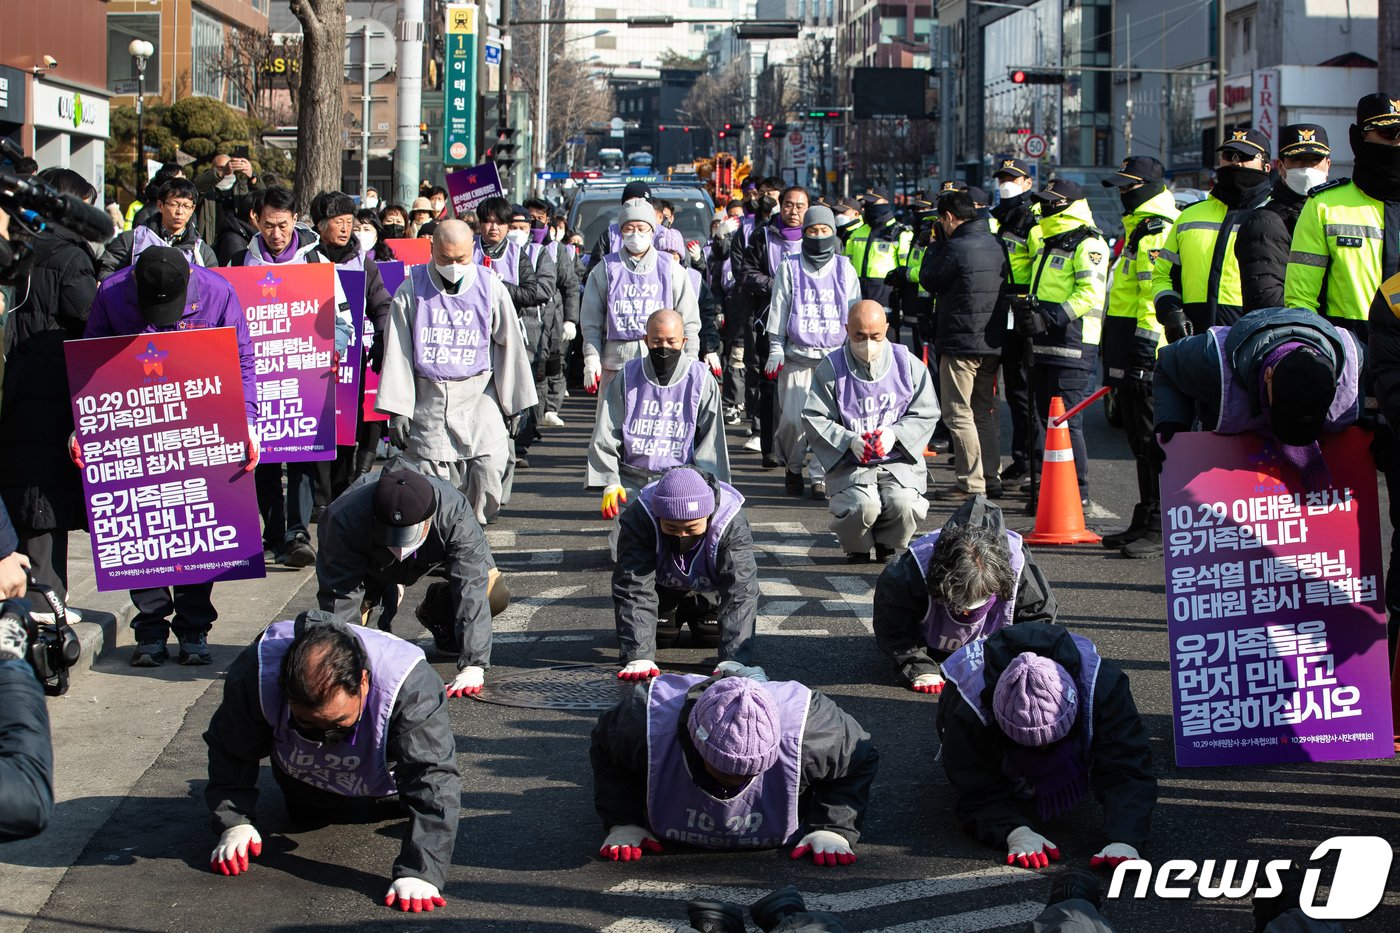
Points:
(1334, 264)
(1198, 267)
(1131, 334)
(1069, 282)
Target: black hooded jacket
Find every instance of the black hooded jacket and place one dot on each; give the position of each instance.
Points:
(1261, 248)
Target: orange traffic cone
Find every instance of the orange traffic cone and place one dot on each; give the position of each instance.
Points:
(1059, 518)
(929, 452)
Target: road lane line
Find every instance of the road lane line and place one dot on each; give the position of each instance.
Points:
(640, 925)
(917, 890)
(676, 891)
(517, 616)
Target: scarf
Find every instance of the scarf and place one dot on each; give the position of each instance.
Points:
(791, 234)
(1056, 775)
(283, 256)
(1307, 460)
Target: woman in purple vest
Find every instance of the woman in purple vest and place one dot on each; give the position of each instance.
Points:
(1035, 722)
(731, 761)
(955, 585)
(684, 556)
(171, 225)
(354, 722)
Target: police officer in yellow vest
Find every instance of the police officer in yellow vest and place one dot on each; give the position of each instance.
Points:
(1346, 244)
(1131, 336)
(1063, 311)
(1016, 213)
(1196, 279)
(915, 305)
(876, 249)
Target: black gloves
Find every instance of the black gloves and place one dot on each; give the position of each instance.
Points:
(1024, 312)
(1166, 430)
(1171, 314)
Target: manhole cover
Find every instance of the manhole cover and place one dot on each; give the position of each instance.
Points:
(570, 686)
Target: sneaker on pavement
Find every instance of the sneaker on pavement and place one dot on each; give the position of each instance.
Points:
(953, 494)
(522, 462)
(883, 553)
(298, 552)
(732, 415)
(754, 444)
(819, 491)
(1015, 475)
(771, 462)
(551, 420)
(149, 654)
(194, 652)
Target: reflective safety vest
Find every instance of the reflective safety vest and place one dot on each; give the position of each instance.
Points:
(1335, 266)
(914, 264)
(1132, 335)
(1070, 264)
(877, 258)
(1201, 270)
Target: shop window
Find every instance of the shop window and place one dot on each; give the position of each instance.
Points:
(121, 67)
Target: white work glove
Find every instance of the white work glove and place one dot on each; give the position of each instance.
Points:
(774, 364)
(570, 331)
(592, 374)
(467, 683)
(1113, 854)
(413, 894)
(827, 848)
(861, 449)
(927, 683)
(1029, 849)
(640, 669)
(230, 856)
(885, 442)
(734, 667)
(625, 843)
(716, 367)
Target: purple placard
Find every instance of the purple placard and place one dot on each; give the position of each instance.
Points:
(347, 386)
(1275, 609)
(470, 186)
(291, 317)
(393, 275)
(163, 432)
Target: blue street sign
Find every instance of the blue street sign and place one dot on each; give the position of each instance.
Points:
(493, 54)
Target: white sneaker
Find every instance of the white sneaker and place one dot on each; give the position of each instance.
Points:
(551, 420)
(754, 443)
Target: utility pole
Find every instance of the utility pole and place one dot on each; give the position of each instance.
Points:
(408, 143)
(364, 107)
(541, 135)
(1219, 72)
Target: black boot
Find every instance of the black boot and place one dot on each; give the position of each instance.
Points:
(1077, 883)
(793, 482)
(1136, 529)
(1150, 544)
(769, 911)
(715, 917)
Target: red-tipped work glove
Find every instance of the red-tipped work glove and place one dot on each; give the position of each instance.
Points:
(73, 453)
(827, 848)
(467, 683)
(413, 894)
(1113, 854)
(236, 845)
(592, 374)
(716, 367)
(254, 449)
(774, 366)
(614, 498)
(927, 683)
(1029, 849)
(625, 844)
(641, 669)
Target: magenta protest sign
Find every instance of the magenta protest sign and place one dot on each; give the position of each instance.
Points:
(162, 431)
(1275, 610)
(347, 384)
(470, 186)
(393, 275)
(291, 318)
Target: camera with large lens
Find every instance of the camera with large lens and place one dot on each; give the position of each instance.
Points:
(53, 646)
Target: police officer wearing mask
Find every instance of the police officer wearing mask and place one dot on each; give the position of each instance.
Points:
(1195, 284)
(1264, 240)
(848, 218)
(878, 249)
(1016, 213)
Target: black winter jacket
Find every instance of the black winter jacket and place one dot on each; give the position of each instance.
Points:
(752, 274)
(839, 763)
(40, 486)
(118, 254)
(966, 274)
(1262, 245)
(1120, 770)
(26, 753)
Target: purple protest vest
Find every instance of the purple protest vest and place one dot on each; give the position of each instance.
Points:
(761, 816)
(633, 296)
(696, 280)
(726, 274)
(451, 333)
(299, 251)
(356, 262)
(817, 318)
(658, 422)
(143, 238)
(943, 631)
(869, 405)
(967, 669)
(694, 571)
(779, 247)
(1236, 409)
(358, 766)
(614, 239)
(507, 267)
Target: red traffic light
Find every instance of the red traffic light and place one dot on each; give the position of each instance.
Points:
(1018, 77)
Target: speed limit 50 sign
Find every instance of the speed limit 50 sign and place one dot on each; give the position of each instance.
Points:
(1035, 146)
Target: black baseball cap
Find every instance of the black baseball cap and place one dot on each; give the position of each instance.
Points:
(1300, 139)
(518, 213)
(1303, 386)
(1375, 110)
(636, 189)
(1249, 142)
(1013, 168)
(951, 184)
(162, 275)
(403, 500)
(1060, 189)
(1136, 170)
(979, 197)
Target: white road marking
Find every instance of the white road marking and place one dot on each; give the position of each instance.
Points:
(857, 597)
(792, 551)
(639, 925)
(778, 586)
(499, 538)
(992, 918)
(518, 614)
(1099, 513)
(787, 528)
(552, 557)
(676, 891)
(513, 638)
(917, 890)
(775, 612)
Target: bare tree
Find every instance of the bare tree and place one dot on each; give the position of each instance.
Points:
(319, 140)
(575, 98)
(265, 70)
(718, 97)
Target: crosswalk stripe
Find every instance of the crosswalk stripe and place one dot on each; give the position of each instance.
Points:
(990, 918)
(917, 890)
(640, 925)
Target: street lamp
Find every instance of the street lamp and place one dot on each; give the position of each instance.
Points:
(140, 50)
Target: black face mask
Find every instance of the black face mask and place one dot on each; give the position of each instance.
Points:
(326, 736)
(819, 249)
(393, 231)
(664, 360)
(1051, 208)
(877, 215)
(766, 204)
(1238, 186)
(1139, 196)
(1377, 169)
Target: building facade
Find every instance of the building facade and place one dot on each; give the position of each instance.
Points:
(190, 40)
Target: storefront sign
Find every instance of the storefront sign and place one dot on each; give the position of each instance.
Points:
(77, 112)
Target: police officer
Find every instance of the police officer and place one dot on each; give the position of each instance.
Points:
(350, 718)
(684, 556)
(1263, 244)
(912, 302)
(1061, 313)
(731, 761)
(1016, 213)
(1132, 335)
(1196, 280)
(876, 249)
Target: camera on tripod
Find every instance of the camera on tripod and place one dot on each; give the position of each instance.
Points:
(53, 646)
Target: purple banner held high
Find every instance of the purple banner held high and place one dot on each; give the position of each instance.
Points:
(1275, 610)
(291, 317)
(470, 186)
(347, 387)
(163, 434)
(393, 275)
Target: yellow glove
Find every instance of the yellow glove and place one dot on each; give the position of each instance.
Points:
(614, 498)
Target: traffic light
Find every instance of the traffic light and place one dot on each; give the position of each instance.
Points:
(728, 128)
(767, 131)
(1030, 76)
(823, 115)
(503, 153)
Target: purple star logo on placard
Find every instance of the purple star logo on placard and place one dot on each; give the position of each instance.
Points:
(269, 285)
(153, 360)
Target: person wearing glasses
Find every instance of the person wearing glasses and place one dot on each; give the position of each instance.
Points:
(1196, 285)
(355, 724)
(170, 225)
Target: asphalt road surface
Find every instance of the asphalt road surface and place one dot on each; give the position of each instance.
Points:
(526, 853)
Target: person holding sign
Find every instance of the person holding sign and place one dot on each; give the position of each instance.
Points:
(868, 417)
(684, 555)
(812, 294)
(171, 225)
(455, 370)
(162, 292)
(355, 723)
(1035, 721)
(662, 411)
(731, 761)
(634, 282)
(955, 585)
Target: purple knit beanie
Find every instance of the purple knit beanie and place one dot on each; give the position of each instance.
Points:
(735, 727)
(682, 495)
(1035, 700)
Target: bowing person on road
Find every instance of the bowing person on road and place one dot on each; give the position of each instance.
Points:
(868, 416)
(955, 585)
(1035, 722)
(684, 556)
(350, 718)
(731, 761)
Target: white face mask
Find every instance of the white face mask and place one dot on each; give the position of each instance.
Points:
(1302, 179)
(555, 234)
(403, 553)
(370, 203)
(637, 243)
(452, 272)
(367, 239)
(518, 237)
(867, 351)
(225, 183)
(844, 220)
(1009, 189)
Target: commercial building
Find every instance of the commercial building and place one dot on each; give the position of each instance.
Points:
(190, 41)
